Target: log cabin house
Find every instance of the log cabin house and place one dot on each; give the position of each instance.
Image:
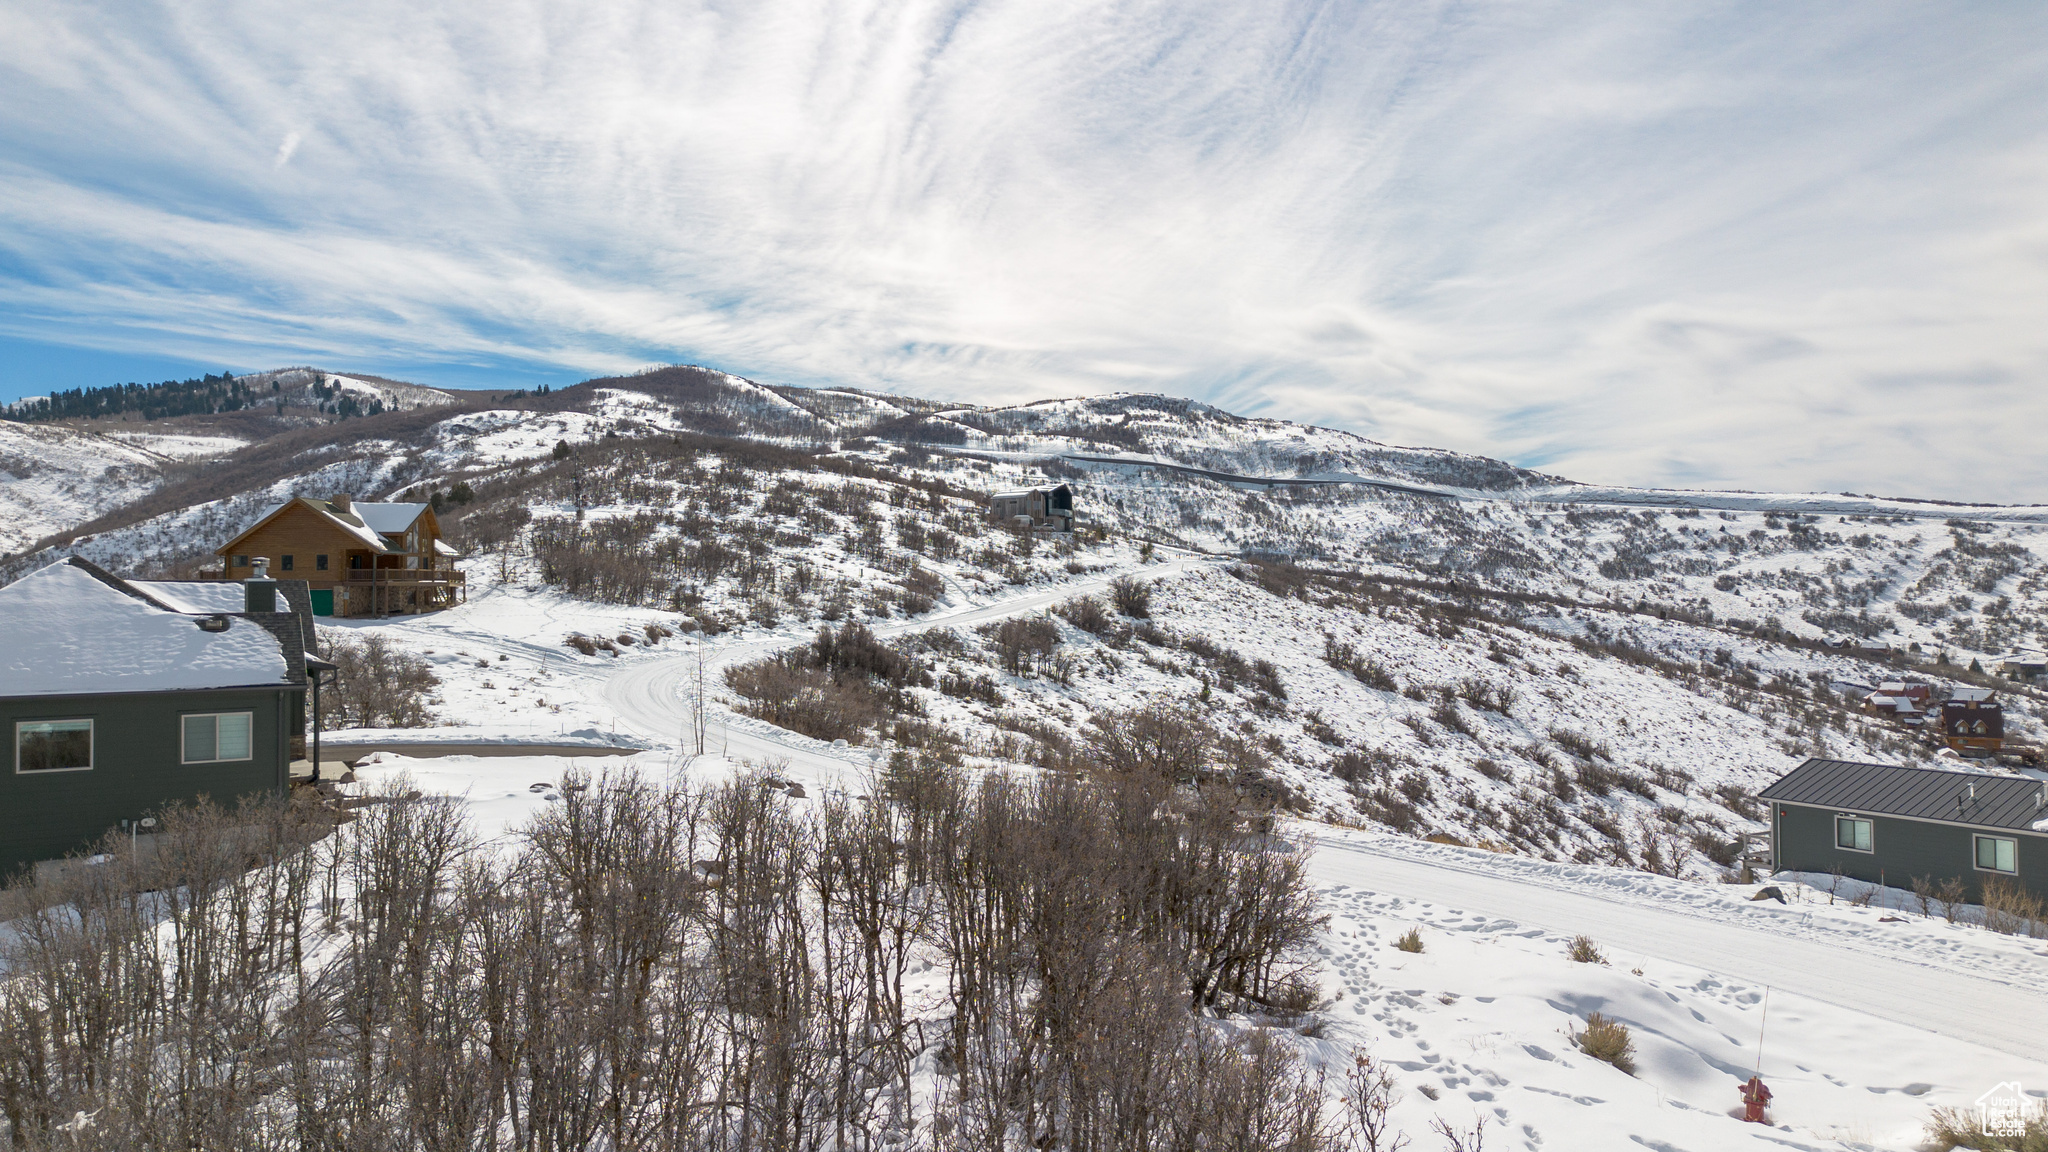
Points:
(357, 558)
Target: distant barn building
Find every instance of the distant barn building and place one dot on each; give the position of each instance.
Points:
(1049, 507)
(357, 558)
(1882, 823)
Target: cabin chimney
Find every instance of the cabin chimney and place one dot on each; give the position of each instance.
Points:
(259, 591)
(342, 502)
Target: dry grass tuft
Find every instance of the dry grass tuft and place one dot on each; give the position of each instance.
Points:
(1605, 1038)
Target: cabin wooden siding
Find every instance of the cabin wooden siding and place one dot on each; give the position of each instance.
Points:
(383, 582)
(137, 765)
(304, 535)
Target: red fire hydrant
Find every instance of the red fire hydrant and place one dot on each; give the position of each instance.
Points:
(1755, 1097)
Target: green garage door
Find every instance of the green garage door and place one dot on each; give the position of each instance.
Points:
(323, 601)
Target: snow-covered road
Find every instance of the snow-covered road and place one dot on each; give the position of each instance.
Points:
(1957, 981)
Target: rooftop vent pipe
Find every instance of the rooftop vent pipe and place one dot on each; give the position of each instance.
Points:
(259, 591)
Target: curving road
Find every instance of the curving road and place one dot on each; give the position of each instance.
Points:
(654, 697)
(1995, 996)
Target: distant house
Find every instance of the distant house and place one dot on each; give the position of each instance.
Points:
(1045, 507)
(1884, 823)
(357, 559)
(1898, 700)
(1973, 722)
(120, 697)
(2029, 666)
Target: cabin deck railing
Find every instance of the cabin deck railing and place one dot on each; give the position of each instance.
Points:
(409, 576)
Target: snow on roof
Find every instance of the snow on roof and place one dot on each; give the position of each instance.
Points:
(443, 548)
(1972, 695)
(369, 523)
(196, 596)
(64, 632)
(388, 519)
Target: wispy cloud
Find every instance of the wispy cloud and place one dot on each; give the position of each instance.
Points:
(1743, 244)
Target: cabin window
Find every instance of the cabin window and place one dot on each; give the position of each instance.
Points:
(241, 561)
(52, 745)
(213, 737)
(287, 565)
(1852, 833)
(355, 561)
(320, 562)
(1997, 854)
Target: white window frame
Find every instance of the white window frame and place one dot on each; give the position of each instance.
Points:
(91, 740)
(1841, 847)
(2008, 840)
(185, 758)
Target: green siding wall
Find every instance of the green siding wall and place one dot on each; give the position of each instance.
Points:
(136, 767)
(1901, 849)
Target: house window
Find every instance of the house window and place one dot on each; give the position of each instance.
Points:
(213, 737)
(1997, 854)
(287, 565)
(241, 561)
(52, 745)
(320, 562)
(1852, 833)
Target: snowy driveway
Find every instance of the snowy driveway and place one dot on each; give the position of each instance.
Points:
(1961, 982)
(653, 696)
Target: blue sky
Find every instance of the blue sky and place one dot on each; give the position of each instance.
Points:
(1752, 245)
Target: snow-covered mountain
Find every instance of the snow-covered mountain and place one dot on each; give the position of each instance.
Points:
(1568, 671)
(1384, 644)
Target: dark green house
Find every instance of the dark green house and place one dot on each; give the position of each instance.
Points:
(1886, 824)
(120, 697)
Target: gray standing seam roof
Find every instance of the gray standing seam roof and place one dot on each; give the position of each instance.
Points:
(2006, 802)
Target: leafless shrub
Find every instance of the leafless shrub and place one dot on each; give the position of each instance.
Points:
(1086, 613)
(2011, 910)
(1155, 742)
(1410, 941)
(378, 685)
(1583, 950)
(1369, 672)
(795, 695)
(1951, 896)
(1132, 596)
(1369, 1095)
(1580, 745)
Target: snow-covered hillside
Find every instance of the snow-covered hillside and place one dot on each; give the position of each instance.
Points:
(53, 477)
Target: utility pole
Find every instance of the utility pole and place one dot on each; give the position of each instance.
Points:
(697, 704)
